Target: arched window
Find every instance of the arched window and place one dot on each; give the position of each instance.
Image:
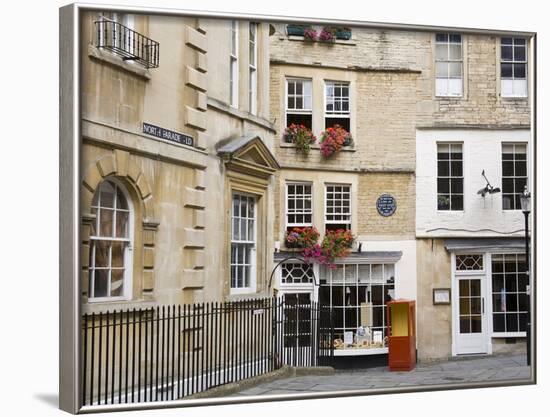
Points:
(110, 266)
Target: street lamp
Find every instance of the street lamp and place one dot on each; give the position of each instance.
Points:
(525, 201)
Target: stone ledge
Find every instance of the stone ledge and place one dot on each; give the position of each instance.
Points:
(112, 59)
(317, 147)
(223, 107)
(297, 38)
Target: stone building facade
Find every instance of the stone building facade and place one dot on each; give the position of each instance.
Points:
(410, 94)
(176, 141)
(367, 84)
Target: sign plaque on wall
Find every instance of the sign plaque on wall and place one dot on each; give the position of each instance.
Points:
(386, 205)
(166, 134)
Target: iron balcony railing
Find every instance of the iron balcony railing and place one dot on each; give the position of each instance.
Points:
(128, 43)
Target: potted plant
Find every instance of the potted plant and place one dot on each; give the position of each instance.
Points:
(335, 244)
(310, 34)
(301, 237)
(343, 33)
(301, 136)
(327, 34)
(332, 140)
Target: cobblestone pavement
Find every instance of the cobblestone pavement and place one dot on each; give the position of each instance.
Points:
(463, 370)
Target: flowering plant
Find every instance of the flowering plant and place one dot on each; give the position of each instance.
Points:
(333, 138)
(327, 34)
(336, 244)
(310, 34)
(301, 136)
(301, 237)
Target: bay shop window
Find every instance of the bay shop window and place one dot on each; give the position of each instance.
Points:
(357, 293)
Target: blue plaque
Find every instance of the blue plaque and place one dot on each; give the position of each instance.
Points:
(386, 205)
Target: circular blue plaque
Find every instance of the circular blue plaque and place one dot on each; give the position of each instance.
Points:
(386, 205)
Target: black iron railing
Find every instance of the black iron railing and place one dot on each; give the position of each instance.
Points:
(172, 352)
(128, 43)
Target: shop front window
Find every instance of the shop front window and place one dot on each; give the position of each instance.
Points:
(357, 294)
(510, 301)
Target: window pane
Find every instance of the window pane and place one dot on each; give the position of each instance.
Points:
(101, 253)
(443, 202)
(457, 202)
(121, 202)
(457, 185)
(107, 196)
(443, 169)
(441, 52)
(512, 323)
(122, 224)
(456, 168)
(506, 41)
(506, 70)
(519, 71)
(465, 325)
(455, 51)
(106, 222)
(519, 53)
(476, 324)
(506, 53)
(441, 69)
(117, 254)
(117, 281)
(498, 323)
(455, 38)
(507, 168)
(101, 282)
(442, 37)
(443, 186)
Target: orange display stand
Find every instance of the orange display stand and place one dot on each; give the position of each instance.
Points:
(401, 335)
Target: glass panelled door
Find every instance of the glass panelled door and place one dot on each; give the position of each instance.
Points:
(470, 315)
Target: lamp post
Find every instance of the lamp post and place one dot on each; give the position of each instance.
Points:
(525, 200)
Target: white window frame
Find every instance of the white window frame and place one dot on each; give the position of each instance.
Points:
(514, 177)
(328, 277)
(128, 252)
(234, 64)
(333, 113)
(346, 221)
(253, 68)
(518, 86)
(443, 84)
(450, 177)
(246, 244)
(491, 310)
(304, 110)
(303, 212)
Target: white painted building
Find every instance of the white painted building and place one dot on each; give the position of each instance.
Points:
(480, 228)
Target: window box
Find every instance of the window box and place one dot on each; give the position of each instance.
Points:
(301, 237)
(295, 30)
(300, 136)
(333, 139)
(343, 34)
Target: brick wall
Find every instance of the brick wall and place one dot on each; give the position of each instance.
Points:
(402, 188)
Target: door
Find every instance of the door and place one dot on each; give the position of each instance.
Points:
(469, 311)
(297, 328)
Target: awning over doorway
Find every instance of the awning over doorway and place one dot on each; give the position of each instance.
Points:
(485, 244)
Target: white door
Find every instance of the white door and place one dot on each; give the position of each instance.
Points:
(470, 315)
